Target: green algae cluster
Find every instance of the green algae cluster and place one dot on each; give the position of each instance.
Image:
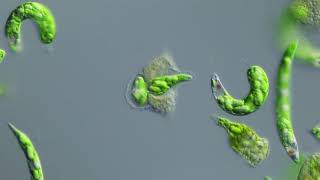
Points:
(40, 14)
(245, 141)
(310, 169)
(155, 86)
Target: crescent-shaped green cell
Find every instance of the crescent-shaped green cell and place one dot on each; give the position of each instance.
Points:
(259, 89)
(38, 13)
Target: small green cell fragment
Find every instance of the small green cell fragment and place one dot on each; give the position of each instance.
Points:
(30, 152)
(140, 92)
(316, 131)
(310, 169)
(259, 89)
(245, 141)
(161, 85)
(2, 55)
(283, 103)
(40, 14)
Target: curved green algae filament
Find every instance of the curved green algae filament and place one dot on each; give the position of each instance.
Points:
(40, 14)
(259, 89)
(30, 152)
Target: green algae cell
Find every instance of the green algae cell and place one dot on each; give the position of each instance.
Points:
(155, 88)
(259, 89)
(30, 152)
(310, 169)
(162, 84)
(283, 103)
(140, 92)
(316, 131)
(40, 14)
(2, 55)
(245, 141)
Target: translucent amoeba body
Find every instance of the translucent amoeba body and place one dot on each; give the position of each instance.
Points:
(30, 152)
(245, 141)
(40, 14)
(310, 169)
(259, 88)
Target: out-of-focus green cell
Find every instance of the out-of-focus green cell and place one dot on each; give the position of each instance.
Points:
(267, 178)
(40, 14)
(259, 89)
(2, 55)
(316, 131)
(310, 169)
(245, 141)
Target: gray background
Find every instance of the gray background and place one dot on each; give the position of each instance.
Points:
(69, 97)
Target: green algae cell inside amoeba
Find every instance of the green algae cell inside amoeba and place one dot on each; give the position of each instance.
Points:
(155, 88)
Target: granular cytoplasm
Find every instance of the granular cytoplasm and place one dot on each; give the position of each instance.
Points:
(310, 169)
(259, 89)
(155, 87)
(299, 14)
(283, 103)
(245, 141)
(162, 84)
(40, 14)
(30, 152)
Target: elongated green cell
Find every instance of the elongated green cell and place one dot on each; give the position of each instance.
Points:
(283, 103)
(140, 92)
(160, 85)
(310, 169)
(30, 152)
(40, 14)
(259, 88)
(299, 13)
(245, 141)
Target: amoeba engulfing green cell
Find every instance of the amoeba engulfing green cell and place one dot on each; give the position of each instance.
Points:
(30, 152)
(259, 88)
(245, 141)
(310, 169)
(40, 14)
(155, 86)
